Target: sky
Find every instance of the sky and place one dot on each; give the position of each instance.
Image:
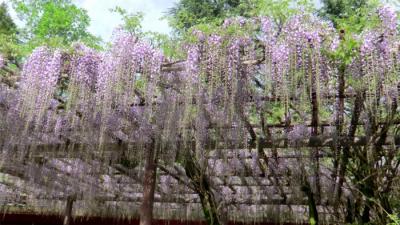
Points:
(103, 21)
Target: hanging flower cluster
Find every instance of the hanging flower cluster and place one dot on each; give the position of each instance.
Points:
(127, 61)
(388, 17)
(123, 92)
(377, 63)
(129, 71)
(85, 65)
(83, 74)
(39, 82)
(84, 94)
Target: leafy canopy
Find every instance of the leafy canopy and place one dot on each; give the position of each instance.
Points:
(132, 22)
(8, 35)
(55, 22)
(187, 13)
(7, 25)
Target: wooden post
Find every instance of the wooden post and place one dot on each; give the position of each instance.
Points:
(149, 184)
(68, 209)
(339, 128)
(314, 196)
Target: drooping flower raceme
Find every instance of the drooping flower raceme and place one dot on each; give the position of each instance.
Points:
(388, 17)
(268, 31)
(85, 66)
(82, 78)
(378, 58)
(39, 81)
(192, 64)
(129, 70)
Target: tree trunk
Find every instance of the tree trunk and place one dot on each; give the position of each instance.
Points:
(209, 208)
(313, 192)
(338, 148)
(344, 160)
(149, 184)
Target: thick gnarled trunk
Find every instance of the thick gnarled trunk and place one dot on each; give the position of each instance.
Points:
(209, 206)
(312, 205)
(203, 188)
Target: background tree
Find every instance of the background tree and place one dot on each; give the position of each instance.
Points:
(7, 25)
(334, 9)
(351, 15)
(132, 22)
(55, 23)
(8, 37)
(187, 13)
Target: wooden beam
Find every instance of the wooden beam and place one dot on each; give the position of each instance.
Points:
(80, 149)
(182, 200)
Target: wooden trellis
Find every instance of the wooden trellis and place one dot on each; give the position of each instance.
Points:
(319, 143)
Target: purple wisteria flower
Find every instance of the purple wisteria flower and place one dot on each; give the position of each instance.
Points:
(199, 35)
(378, 45)
(388, 17)
(85, 65)
(129, 62)
(280, 59)
(39, 78)
(268, 31)
(192, 63)
(367, 45)
(215, 40)
(2, 61)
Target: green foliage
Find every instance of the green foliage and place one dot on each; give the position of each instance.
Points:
(188, 13)
(66, 22)
(8, 36)
(355, 18)
(132, 22)
(395, 219)
(54, 23)
(359, 19)
(169, 45)
(339, 9)
(9, 46)
(352, 13)
(281, 10)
